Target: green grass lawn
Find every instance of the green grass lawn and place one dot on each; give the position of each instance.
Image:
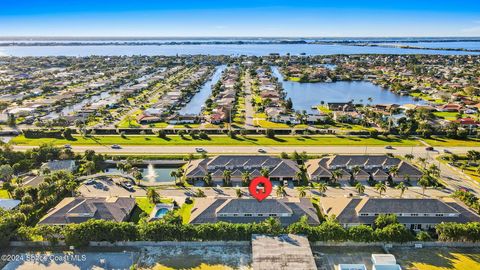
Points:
(185, 212)
(4, 194)
(220, 140)
(438, 258)
(446, 142)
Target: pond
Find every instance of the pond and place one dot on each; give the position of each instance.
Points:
(153, 175)
(198, 100)
(306, 95)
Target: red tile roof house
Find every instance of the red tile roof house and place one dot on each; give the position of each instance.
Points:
(450, 107)
(468, 122)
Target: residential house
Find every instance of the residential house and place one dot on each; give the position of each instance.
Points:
(80, 209)
(288, 211)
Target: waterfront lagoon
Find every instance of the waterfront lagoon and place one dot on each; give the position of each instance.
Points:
(198, 100)
(306, 95)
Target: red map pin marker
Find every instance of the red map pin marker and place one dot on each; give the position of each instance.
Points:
(260, 193)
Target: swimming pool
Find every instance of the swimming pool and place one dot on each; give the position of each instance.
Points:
(161, 212)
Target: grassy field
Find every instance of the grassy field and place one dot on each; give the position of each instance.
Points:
(221, 140)
(438, 259)
(445, 142)
(4, 194)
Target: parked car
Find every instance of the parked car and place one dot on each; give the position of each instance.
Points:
(430, 148)
(116, 146)
(90, 182)
(388, 147)
(263, 151)
(127, 186)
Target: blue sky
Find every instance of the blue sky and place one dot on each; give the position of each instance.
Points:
(239, 18)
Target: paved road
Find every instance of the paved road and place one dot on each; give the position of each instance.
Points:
(453, 178)
(161, 149)
(249, 110)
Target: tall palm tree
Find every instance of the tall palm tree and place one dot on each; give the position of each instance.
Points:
(424, 183)
(265, 172)
(239, 193)
(393, 171)
(208, 179)
(153, 196)
(381, 188)
(281, 192)
(302, 192)
(322, 188)
(360, 188)
(434, 170)
(336, 174)
(409, 157)
(174, 175)
(246, 178)
(422, 161)
(227, 177)
(402, 187)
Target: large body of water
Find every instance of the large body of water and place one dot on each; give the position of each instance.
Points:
(216, 49)
(195, 104)
(306, 95)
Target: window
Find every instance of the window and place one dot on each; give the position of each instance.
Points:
(272, 215)
(364, 215)
(260, 215)
(248, 215)
(439, 215)
(414, 215)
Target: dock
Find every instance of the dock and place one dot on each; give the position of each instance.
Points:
(287, 251)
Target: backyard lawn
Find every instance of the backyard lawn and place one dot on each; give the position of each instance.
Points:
(220, 140)
(4, 194)
(438, 258)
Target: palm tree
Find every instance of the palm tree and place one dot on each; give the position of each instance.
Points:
(246, 178)
(239, 193)
(281, 192)
(227, 177)
(434, 170)
(422, 161)
(336, 174)
(393, 171)
(381, 187)
(174, 175)
(208, 179)
(409, 157)
(265, 172)
(153, 196)
(402, 187)
(424, 183)
(302, 192)
(360, 188)
(322, 188)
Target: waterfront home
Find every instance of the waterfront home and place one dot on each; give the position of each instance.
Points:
(184, 119)
(279, 169)
(60, 165)
(467, 123)
(415, 214)
(80, 209)
(341, 106)
(450, 107)
(288, 211)
(147, 119)
(362, 168)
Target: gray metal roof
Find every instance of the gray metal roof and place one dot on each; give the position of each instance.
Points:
(425, 206)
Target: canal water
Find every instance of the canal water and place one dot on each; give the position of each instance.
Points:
(198, 100)
(306, 95)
